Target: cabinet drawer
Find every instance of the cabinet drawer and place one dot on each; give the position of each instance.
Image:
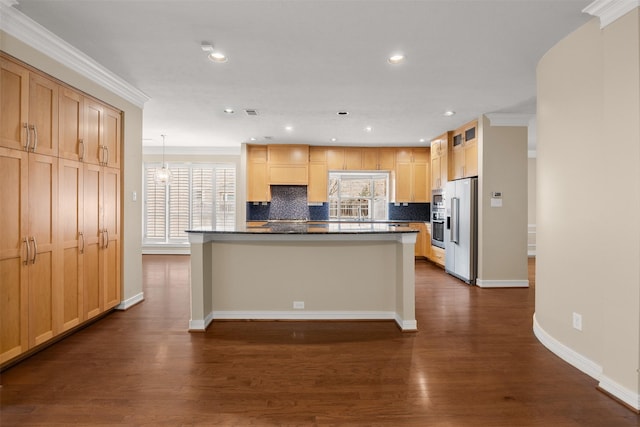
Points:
(288, 175)
(437, 255)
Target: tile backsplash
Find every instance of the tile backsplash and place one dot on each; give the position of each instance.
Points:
(288, 202)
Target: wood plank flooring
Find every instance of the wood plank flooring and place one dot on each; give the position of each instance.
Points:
(473, 362)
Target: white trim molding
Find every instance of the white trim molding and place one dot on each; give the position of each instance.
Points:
(587, 366)
(28, 31)
(509, 119)
(130, 302)
(531, 240)
(610, 10)
(502, 283)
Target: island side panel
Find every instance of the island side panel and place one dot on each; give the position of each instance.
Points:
(405, 282)
(201, 282)
(335, 279)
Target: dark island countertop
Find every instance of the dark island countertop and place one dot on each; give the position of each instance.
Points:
(312, 227)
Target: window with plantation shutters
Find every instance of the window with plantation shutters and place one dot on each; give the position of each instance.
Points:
(179, 203)
(198, 196)
(155, 206)
(225, 198)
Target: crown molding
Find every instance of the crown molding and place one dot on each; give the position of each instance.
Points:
(28, 31)
(199, 151)
(509, 119)
(610, 10)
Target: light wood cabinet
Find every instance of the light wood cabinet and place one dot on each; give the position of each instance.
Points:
(386, 159)
(60, 218)
(412, 175)
(439, 161)
(72, 242)
(28, 250)
(288, 164)
(437, 255)
(318, 175)
(360, 158)
(336, 158)
(421, 239)
(463, 161)
(29, 110)
(71, 126)
(257, 179)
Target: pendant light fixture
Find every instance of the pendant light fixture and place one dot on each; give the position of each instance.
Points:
(162, 175)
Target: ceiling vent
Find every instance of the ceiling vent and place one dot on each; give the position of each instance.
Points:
(251, 112)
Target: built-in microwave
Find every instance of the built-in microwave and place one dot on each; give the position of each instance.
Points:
(437, 218)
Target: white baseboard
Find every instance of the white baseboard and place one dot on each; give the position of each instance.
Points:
(502, 283)
(166, 250)
(200, 325)
(587, 366)
(130, 302)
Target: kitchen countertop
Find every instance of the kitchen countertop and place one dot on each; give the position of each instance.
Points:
(312, 227)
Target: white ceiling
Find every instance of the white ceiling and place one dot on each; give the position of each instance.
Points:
(300, 62)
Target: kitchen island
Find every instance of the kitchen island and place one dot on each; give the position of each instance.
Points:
(303, 271)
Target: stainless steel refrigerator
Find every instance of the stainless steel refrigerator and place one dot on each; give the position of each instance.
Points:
(461, 233)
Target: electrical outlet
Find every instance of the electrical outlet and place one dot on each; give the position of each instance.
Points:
(577, 321)
(298, 305)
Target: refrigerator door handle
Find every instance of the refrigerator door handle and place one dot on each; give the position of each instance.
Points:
(455, 219)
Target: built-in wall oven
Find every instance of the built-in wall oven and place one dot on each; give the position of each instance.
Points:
(437, 218)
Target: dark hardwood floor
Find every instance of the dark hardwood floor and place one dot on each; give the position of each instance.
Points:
(473, 362)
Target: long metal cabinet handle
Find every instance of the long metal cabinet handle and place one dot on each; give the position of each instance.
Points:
(35, 250)
(106, 246)
(455, 219)
(106, 150)
(81, 144)
(26, 130)
(26, 242)
(81, 234)
(35, 137)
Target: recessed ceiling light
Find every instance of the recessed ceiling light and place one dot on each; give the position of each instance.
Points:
(421, 140)
(218, 57)
(288, 128)
(343, 113)
(229, 110)
(334, 139)
(252, 138)
(396, 59)
(368, 129)
(449, 113)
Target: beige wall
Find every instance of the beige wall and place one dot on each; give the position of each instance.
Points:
(502, 232)
(588, 198)
(132, 155)
(531, 190)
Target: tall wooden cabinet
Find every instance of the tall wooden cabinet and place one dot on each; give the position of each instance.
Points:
(439, 161)
(317, 191)
(56, 200)
(257, 174)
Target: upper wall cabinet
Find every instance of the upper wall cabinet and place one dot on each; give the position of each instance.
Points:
(360, 158)
(257, 180)
(412, 175)
(288, 164)
(463, 161)
(318, 175)
(29, 110)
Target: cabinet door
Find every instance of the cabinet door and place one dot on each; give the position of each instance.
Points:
(111, 239)
(257, 183)
(370, 159)
(403, 182)
(71, 233)
(14, 286)
(14, 105)
(436, 181)
(335, 158)
(92, 225)
(112, 134)
(43, 283)
(421, 155)
(43, 115)
(93, 143)
(471, 160)
(386, 159)
(318, 182)
(70, 130)
(421, 183)
(353, 159)
(456, 162)
(419, 247)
